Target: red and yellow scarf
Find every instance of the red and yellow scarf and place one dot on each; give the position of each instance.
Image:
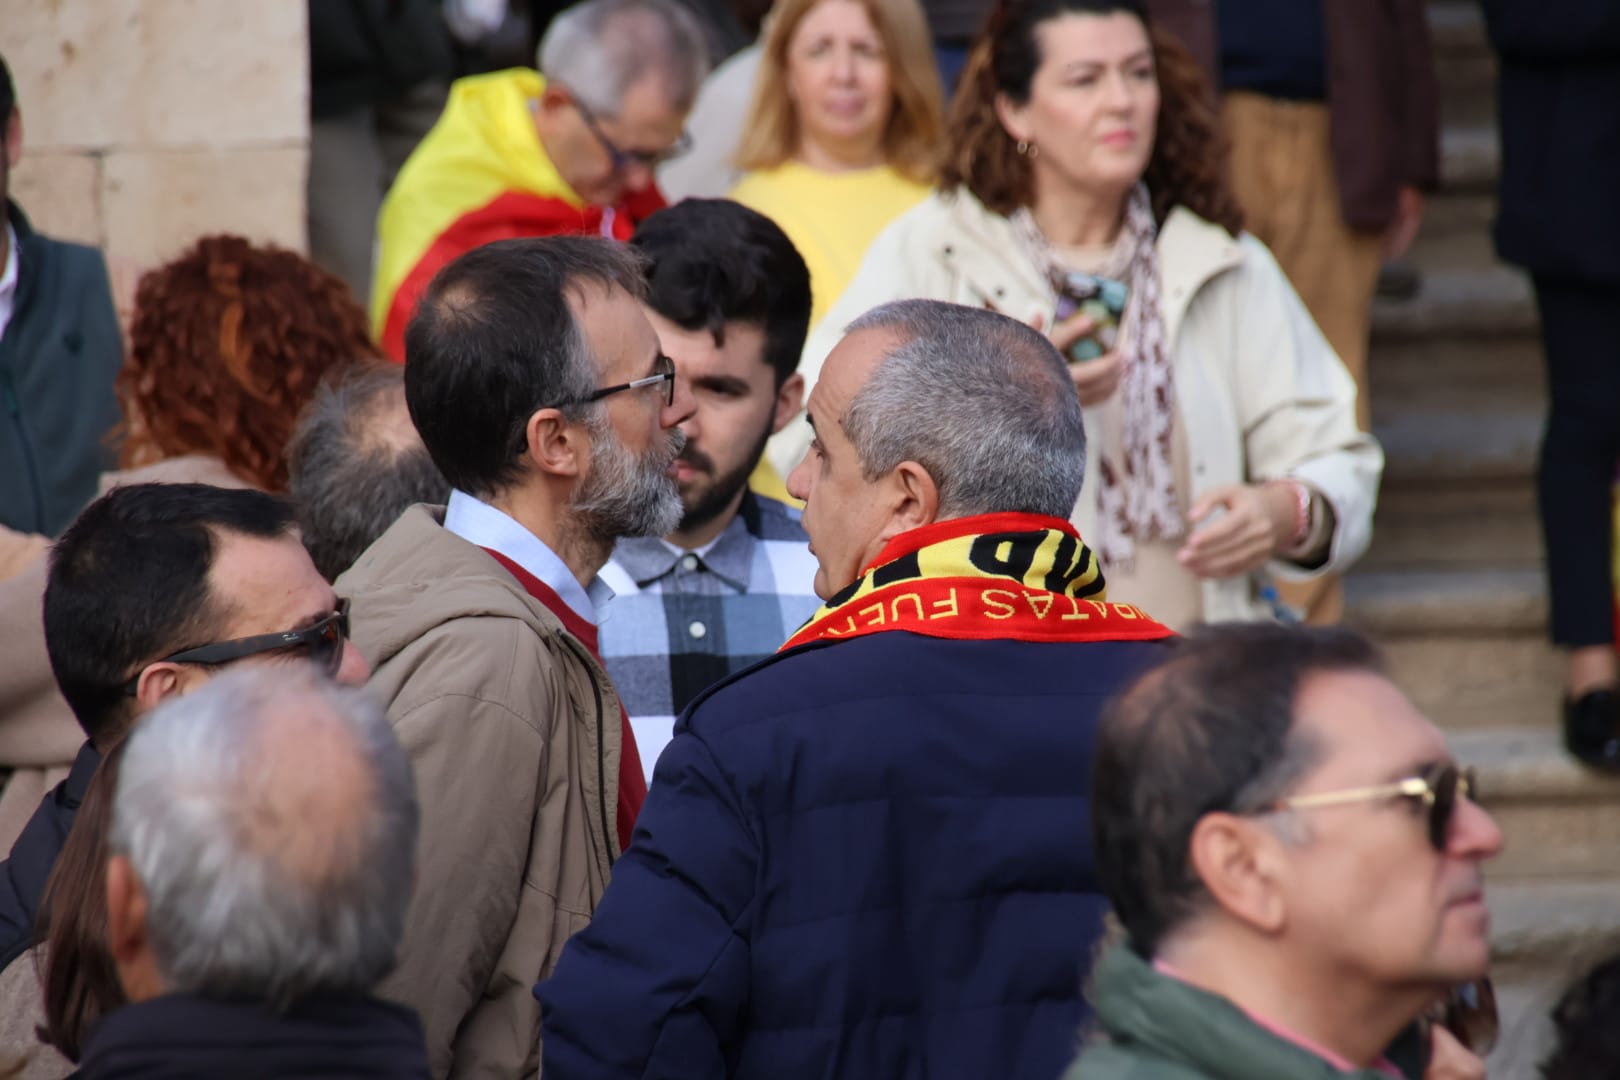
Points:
(1025, 577)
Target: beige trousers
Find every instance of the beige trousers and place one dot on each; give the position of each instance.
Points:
(1282, 171)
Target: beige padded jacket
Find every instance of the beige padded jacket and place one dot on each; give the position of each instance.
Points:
(513, 729)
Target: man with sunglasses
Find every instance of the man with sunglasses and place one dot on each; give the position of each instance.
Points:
(1297, 863)
(153, 590)
(569, 149)
(541, 393)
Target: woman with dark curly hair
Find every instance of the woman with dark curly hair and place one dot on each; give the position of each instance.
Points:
(1083, 191)
(227, 344)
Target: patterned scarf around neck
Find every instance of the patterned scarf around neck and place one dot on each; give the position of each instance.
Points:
(1136, 498)
(1024, 577)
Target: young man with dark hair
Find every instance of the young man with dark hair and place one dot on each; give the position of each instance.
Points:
(59, 353)
(541, 393)
(730, 299)
(1295, 857)
(151, 590)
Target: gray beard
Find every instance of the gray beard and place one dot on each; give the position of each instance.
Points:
(627, 495)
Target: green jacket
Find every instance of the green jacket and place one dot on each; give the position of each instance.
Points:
(1156, 1027)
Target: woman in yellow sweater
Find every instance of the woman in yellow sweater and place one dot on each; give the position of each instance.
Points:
(842, 131)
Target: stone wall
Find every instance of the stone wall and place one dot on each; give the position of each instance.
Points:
(147, 123)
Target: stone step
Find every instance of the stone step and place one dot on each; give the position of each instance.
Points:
(1483, 433)
(1452, 602)
(1457, 28)
(1544, 936)
(1470, 157)
(1456, 234)
(1467, 642)
(1464, 62)
(1452, 215)
(1560, 820)
(1431, 523)
(1488, 300)
(1480, 682)
(1424, 372)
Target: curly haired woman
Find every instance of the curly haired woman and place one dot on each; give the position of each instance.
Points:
(227, 343)
(1222, 427)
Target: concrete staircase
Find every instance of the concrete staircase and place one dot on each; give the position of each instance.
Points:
(1453, 585)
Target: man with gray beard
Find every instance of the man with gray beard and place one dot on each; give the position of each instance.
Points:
(541, 393)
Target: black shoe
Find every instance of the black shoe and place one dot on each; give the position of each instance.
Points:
(1592, 728)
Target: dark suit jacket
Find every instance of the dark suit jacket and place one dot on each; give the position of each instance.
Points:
(1559, 100)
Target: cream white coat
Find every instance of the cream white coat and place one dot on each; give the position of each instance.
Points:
(1259, 391)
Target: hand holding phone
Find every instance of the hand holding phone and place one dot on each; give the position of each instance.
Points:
(1102, 301)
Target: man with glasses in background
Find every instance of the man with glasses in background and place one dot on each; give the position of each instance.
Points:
(542, 395)
(568, 149)
(151, 591)
(1298, 865)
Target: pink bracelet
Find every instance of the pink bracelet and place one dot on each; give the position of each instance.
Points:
(1302, 514)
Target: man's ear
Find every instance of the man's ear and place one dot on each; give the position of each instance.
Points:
(127, 940)
(556, 446)
(916, 499)
(160, 681)
(126, 910)
(1238, 860)
(555, 98)
(789, 402)
(13, 138)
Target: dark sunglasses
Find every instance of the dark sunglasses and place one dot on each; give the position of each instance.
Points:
(323, 640)
(1468, 1011)
(1439, 788)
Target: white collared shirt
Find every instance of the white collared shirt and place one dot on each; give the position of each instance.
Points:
(479, 523)
(8, 281)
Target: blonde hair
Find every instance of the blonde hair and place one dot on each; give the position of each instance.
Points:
(916, 124)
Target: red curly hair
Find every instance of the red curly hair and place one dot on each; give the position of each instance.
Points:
(1188, 166)
(227, 344)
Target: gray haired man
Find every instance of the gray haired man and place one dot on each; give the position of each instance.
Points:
(355, 462)
(262, 842)
(568, 149)
(865, 856)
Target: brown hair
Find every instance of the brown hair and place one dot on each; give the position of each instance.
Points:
(1188, 166)
(910, 142)
(227, 344)
(80, 980)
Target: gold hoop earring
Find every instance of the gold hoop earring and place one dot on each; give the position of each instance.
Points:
(1027, 149)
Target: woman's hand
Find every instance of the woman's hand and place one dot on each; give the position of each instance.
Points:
(1257, 523)
(1094, 380)
(1450, 1059)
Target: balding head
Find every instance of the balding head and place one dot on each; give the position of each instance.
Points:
(263, 840)
(355, 463)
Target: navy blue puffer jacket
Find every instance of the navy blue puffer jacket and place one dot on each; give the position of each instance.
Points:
(869, 859)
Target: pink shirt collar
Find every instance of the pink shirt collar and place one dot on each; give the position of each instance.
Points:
(1383, 1065)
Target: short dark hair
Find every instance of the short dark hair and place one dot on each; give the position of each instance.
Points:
(351, 472)
(8, 92)
(714, 261)
(128, 584)
(494, 340)
(1210, 729)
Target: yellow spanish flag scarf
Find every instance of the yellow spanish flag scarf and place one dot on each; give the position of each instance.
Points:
(1026, 577)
